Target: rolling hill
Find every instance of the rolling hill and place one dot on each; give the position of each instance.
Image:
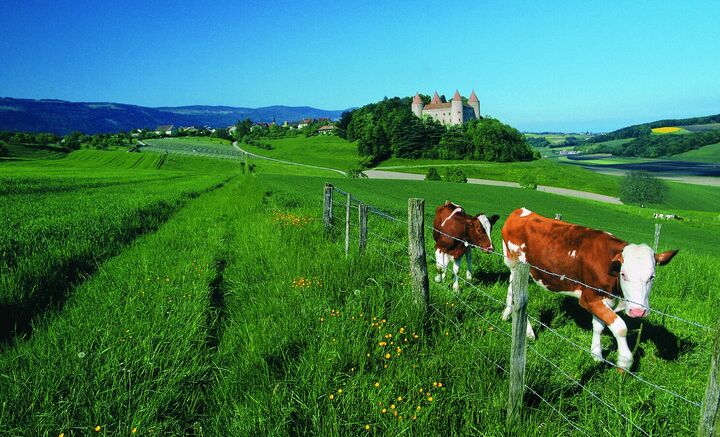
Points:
(61, 117)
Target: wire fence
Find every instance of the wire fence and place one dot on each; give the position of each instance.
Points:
(402, 244)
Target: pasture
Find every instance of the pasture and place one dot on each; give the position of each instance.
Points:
(322, 150)
(709, 154)
(212, 303)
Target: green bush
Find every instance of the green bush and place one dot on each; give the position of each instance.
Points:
(355, 173)
(455, 174)
(432, 174)
(641, 187)
(3, 150)
(528, 181)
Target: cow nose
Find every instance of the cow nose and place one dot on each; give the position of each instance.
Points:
(637, 312)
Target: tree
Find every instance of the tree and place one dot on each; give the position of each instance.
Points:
(455, 174)
(432, 174)
(528, 181)
(3, 150)
(641, 187)
(73, 140)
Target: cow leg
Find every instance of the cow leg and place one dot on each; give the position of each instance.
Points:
(600, 310)
(468, 261)
(456, 270)
(508, 301)
(440, 264)
(596, 345)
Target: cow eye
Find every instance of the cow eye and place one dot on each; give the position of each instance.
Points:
(652, 277)
(623, 276)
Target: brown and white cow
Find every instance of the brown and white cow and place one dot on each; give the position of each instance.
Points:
(455, 229)
(595, 258)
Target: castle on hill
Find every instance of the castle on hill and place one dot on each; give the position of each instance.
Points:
(448, 113)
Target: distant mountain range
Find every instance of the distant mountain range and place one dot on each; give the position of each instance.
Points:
(61, 117)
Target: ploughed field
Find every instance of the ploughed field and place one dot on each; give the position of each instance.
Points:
(174, 295)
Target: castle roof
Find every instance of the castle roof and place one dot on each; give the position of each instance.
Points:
(437, 106)
(417, 98)
(473, 97)
(457, 95)
(435, 99)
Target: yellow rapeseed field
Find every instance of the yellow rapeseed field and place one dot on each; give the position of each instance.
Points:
(665, 130)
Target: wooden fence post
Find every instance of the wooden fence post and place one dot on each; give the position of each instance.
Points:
(709, 417)
(416, 251)
(658, 226)
(558, 216)
(347, 224)
(328, 208)
(362, 218)
(518, 351)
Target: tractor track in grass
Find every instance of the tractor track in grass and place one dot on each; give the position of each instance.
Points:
(19, 315)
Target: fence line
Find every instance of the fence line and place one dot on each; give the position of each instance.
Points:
(403, 245)
(486, 357)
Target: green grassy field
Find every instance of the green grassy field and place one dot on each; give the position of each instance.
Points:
(322, 150)
(710, 153)
(233, 314)
(20, 152)
(545, 171)
(557, 138)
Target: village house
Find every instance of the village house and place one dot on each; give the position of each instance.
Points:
(327, 130)
(166, 130)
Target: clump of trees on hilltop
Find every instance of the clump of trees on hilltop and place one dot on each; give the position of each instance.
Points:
(389, 129)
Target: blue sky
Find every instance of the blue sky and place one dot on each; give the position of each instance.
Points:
(543, 65)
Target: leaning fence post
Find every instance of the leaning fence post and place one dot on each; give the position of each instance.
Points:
(658, 226)
(519, 332)
(328, 208)
(709, 417)
(416, 251)
(362, 218)
(347, 224)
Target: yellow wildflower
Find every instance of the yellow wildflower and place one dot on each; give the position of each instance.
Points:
(392, 406)
(384, 410)
(430, 398)
(367, 427)
(332, 397)
(339, 391)
(97, 428)
(134, 430)
(377, 384)
(387, 356)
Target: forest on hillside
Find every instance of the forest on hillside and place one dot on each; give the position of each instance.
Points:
(389, 129)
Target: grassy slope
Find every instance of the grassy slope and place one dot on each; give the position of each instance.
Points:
(546, 171)
(204, 325)
(710, 153)
(19, 151)
(323, 150)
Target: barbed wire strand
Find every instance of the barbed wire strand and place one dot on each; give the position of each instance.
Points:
(482, 354)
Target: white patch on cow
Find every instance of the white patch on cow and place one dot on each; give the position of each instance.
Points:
(525, 212)
(450, 216)
(485, 224)
(540, 283)
(608, 233)
(517, 249)
(575, 293)
(572, 254)
(619, 330)
(596, 344)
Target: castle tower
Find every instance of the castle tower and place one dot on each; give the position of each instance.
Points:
(435, 99)
(475, 104)
(417, 105)
(456, 106)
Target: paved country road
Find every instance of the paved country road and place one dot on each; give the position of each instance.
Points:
(384, 174)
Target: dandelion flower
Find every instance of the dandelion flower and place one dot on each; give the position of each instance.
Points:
(400, 398)
(435, 384)
(414, 417)
(421, 390)
(97, 428)
(367, 427)
(392, 406)
(62, 434)
(430, 398)
(384, 410)
(332, 397)
(339, 391)
(377, 384)
(387, 356)
(134, 430)
(439, 384)
(418, 408)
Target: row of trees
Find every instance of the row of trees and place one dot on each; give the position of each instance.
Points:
(71, 141)
(389, 128)
(645, 129)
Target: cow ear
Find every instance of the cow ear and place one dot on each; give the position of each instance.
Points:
(616, 264)
(493, 219)
(663, 258)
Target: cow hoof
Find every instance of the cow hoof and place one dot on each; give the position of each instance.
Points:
(624, 363)
(506, 313)
(438, 278)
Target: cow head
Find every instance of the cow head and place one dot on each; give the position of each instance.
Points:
(479, 229)
(636, 267)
